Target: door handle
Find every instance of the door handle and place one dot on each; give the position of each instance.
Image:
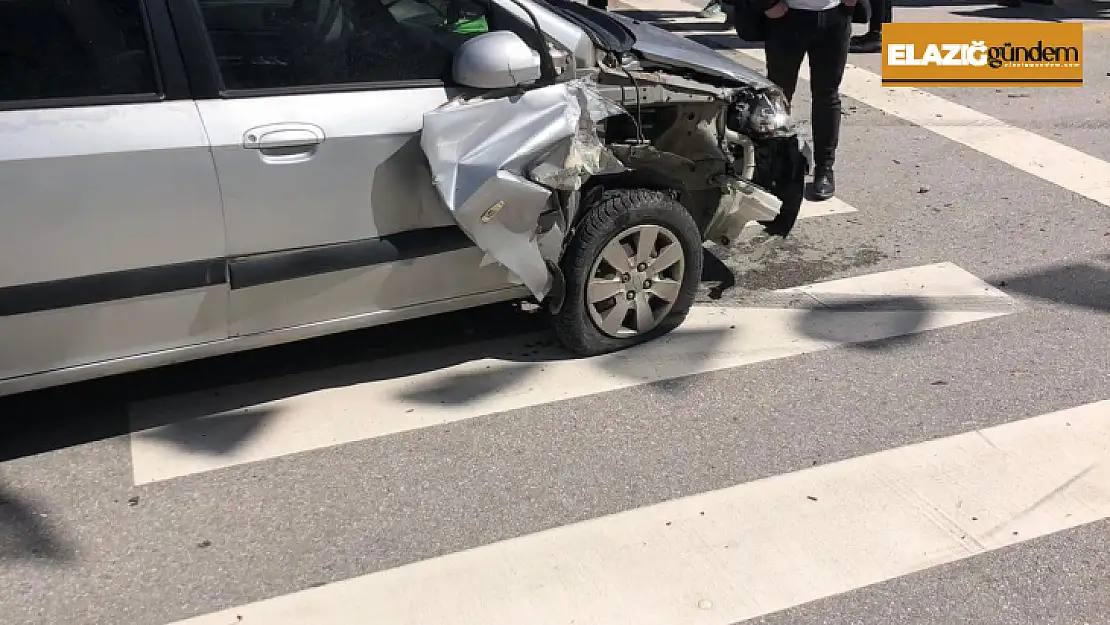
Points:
(272, 136)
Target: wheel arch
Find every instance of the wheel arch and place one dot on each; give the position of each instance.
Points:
(699, 204)
(631, 179)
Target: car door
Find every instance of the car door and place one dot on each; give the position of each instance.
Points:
(314, 119)
(111, 229)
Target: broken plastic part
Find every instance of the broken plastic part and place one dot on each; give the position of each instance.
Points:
(749, 152)
(741, 204)
(483, 151)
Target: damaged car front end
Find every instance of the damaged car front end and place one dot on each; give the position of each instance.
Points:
(594, 175)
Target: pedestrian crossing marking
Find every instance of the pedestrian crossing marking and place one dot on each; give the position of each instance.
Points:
(741, 552)
(825, 208)
(324, 408)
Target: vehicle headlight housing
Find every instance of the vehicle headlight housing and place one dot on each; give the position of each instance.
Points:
(769, 113)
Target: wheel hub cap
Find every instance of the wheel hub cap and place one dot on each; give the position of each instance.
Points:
(635, 281)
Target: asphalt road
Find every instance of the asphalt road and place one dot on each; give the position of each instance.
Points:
(80, 542)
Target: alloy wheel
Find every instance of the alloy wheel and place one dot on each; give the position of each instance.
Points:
(635, 280)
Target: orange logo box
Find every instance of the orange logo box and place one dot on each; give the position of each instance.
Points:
(983, 54)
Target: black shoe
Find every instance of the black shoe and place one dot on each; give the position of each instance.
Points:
(775, 228)
(824, 185)
(867, 43)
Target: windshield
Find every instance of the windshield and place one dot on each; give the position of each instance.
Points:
(606, 32)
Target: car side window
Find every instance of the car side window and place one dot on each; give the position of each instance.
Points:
(272, 44)
(73, 49)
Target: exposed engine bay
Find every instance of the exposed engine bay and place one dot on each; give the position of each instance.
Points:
(732, 151)
(515, 167)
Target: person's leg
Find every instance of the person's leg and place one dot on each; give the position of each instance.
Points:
(872, 40)
(886, 15)
(784, 49)
(828, 54)
(784, 45)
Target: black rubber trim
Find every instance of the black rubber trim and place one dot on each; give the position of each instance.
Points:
(351, 87)
(163, 81)
(167, 54)
(23, 299)
(196, 50)
(92, 100)
(247, 272)
(244, 272)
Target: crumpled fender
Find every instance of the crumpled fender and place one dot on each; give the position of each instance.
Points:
(496, 161)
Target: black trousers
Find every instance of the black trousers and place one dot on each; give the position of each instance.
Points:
(823, 36)
(881, 13)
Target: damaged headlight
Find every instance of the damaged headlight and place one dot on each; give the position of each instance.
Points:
(629, 61)
(770, 113)
(626, 61)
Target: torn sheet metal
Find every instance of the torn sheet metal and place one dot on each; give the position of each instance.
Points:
(496, 161)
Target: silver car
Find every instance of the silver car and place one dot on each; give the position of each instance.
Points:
(186, 178)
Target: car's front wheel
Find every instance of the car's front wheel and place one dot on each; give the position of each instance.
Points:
(631, 271)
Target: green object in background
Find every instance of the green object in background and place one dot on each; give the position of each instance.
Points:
(475, 26)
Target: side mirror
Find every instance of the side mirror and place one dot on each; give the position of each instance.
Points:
(496, 60)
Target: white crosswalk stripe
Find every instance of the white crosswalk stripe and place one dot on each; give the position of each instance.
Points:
(828, 208)
(718, 557)
(753, 549)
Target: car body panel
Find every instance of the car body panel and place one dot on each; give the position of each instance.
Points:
(112, 242)
(345, 226)
(364, 178)
(664, 47)
(364, 290)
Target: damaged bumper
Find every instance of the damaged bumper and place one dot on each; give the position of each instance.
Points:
(513, 169)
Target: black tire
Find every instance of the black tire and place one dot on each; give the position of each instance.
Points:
(610, 214)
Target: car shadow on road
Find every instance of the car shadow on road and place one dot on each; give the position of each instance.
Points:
(830, 323)
(517, 341)
(65, 416)
(1083, 284)
(466, 373)
(26, 532)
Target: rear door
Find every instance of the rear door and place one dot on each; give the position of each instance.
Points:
(111, 228)
(314, 113)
